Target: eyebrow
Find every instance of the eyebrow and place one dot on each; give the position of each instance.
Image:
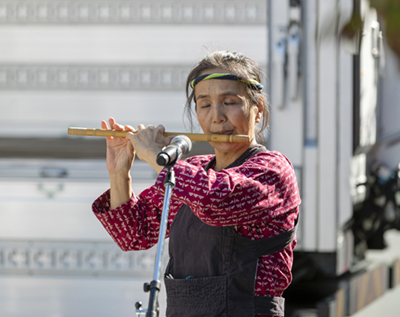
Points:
(225, 93)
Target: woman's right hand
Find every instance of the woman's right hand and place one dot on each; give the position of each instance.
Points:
(120, 152)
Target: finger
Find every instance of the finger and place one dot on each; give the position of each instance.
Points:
(160, 131)
(150, 128)
(104, 125)
(140, 127)
(168, 139)
(161, 128)
(114, 125)
(111, 121)
(129, 128)
(118, 126)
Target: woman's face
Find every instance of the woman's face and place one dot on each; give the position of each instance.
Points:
(223, 107)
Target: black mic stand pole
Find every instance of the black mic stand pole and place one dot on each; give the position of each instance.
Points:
(155, 285)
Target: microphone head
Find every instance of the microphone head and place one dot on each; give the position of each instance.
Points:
(184, 141)
(162, 159)
(180, 144)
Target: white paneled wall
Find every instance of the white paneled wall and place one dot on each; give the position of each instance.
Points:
(65, 63)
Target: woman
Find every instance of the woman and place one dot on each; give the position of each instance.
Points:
(232, 216)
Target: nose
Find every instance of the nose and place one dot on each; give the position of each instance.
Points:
(218, 114)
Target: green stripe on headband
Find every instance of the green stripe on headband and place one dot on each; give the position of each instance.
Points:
(251, 82)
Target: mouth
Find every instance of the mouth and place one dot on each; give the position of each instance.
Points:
(223, 132)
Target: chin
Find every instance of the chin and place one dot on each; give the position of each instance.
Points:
(227, 146)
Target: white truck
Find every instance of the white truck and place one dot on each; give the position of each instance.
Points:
(336, 114)
(72, 64)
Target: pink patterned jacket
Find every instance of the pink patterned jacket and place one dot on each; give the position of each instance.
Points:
(260, 199)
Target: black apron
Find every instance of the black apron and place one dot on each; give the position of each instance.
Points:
(212, 270)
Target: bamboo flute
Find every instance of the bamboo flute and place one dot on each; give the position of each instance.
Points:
(192, 136)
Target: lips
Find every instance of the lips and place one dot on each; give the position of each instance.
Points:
(223, 132)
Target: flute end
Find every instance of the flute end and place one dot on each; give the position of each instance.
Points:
(72, 131)
(76, 131)
(242, 139)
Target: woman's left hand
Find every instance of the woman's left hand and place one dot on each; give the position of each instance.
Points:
(148, 142)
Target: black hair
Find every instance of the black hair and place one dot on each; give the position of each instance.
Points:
(237, 64)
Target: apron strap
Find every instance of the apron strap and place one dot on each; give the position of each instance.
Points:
(278, 242)
(273, 306)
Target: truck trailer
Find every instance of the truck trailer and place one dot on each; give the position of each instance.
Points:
(335, 112)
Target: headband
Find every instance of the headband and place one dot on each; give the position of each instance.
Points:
(253, 83)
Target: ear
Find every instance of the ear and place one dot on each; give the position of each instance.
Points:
(259, 110)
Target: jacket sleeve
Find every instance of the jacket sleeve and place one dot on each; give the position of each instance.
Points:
(135, 225)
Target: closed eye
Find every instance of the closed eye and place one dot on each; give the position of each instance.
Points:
(229, 103)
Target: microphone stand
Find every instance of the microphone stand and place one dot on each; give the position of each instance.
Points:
(154, 286)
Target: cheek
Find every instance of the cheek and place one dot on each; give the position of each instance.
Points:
(202, 119)
(242, 117)
(246, 122)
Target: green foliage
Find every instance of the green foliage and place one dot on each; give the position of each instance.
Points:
(389, 12)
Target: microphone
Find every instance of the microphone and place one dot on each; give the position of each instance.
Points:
(180, 145)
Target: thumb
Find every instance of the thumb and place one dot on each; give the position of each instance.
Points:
(168, 139)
